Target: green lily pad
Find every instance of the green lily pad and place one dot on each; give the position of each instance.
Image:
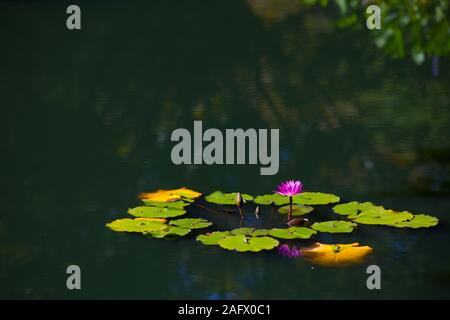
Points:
(213, 237)
(334, 226)
(297, 210)
(315, 198)
(275, 198)
(136, 225)
(353, 208)
(170, 231)
(174, 204)
(244, 231)
(226, 198)
(241, 243)
(155, 212)
(259, 232)
(292, 233)
(419, 221)
(191, 223)
(381, 217)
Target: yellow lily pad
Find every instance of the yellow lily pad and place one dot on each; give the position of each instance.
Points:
(170, 195)
(336, 255)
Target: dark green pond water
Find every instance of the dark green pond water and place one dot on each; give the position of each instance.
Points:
(86, 123)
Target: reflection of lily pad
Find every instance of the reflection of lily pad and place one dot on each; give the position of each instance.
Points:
(381, 216)
(136, 225)
(418, 221)
(174, 204)
(297, 210)
(353, 208)
(226, 198)
(315, 198)
(191, 223)
(334, 226)
(213, 237)
(155, 212)
(292, 233)
(336, 254)
(276, 199)
(170, 195)
(241, 243)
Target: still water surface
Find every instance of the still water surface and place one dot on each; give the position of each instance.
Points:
(86, 123)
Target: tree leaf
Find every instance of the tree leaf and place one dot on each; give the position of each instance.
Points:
(297, 210)
(275, 198)
(334, 255)
(212, 238)
(170, 195)
(334, 226)
(419, 221)
(136, 225)
(353, 208)
(315, 198)
(226, 198)
(155, 212)
(191, 223)
(292, 233)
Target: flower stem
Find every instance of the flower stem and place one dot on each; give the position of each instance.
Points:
(290, 209)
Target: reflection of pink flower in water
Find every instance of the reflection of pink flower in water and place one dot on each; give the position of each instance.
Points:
(289, 252)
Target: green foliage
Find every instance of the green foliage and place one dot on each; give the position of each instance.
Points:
(297, 210)
(275, 198)
(315, 198)
(292, 233)
(136, 225)
(226, 198)
(243, 243)
(334, 226)
(419, 221)
(353, 208)
(213, 237)
(381, 217)
(155, 212)
(174, 204)
(191, 223)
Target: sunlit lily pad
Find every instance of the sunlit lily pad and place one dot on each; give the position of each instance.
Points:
(275, 198)
(170, 195)
(381, 216)
(259, 232)
(292, 233)
(244, 231)
(191, 223)
(174, 204)
(334, 226)
(170, 231)
(136, 225)
(297, 210)
(419, 221)
(353, 208)
(315, 198)
(226, 198)
(242, 243)
(155, 212)
(213, 237)
(334, 255)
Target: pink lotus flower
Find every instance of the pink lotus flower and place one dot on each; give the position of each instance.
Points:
(290, 188)
(289, 252)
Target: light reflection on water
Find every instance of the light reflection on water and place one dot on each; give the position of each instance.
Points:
(87, 127)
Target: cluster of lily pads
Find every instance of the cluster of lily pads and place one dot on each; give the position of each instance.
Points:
(158, 217)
